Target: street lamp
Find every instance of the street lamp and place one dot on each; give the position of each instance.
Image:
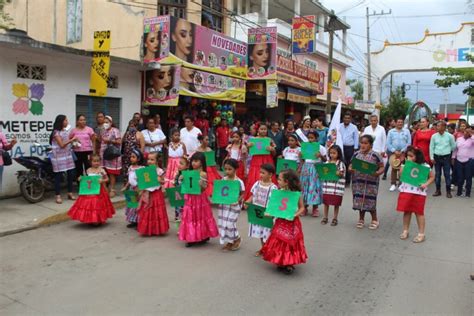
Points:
(417, 82)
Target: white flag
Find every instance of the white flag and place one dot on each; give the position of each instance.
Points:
(335, 124)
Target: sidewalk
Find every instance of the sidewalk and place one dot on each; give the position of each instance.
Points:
(17, 214)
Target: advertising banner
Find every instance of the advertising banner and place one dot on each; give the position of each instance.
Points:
(162, 85)
(100, 64)
(304, 35)
(170, 40)
(272, 94)
(202, 84)
(262, 53)
(300, 76)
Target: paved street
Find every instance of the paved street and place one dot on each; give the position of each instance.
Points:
(75, 269)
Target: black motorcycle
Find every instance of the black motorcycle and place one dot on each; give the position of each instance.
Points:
(37, 179)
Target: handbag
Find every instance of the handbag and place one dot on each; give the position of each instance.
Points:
(111, 152)
(7, 159)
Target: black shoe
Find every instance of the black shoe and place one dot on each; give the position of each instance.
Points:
(384, 178)
(448, 195)
(132, 225)
(189, 244)
(437, 193)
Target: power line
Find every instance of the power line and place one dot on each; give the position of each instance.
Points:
(413, 16)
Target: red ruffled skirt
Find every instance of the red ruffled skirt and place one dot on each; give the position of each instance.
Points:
(152, 215)
(92, 209)
(285, 246)
(171, 171)
(254, 172)
(241, 171)
(212, 175)
(197, 221)
(409, 202)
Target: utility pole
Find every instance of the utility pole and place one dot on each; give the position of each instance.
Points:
(330, 29)
(445, 90)
(369, 72)
(417, 83)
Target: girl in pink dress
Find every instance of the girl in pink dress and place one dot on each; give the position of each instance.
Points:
(197, 222)
(152, 215)
(176, 151)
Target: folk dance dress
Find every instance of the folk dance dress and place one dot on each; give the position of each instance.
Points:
(197, 221)
(237, 154)
(365, 187)
(131, 214)
(260, 196)
(93, 209)
(411, 198)
(175, 153)
(311, 186)
(292, 154)
(333, 191)
(212, 175)
(227, 219)
(152, 215)
(253, 175)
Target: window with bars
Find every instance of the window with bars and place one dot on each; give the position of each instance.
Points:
(74, 21)
(176, 8)
(213, 15)
(112, 82)
(26, 71)
(89, 106)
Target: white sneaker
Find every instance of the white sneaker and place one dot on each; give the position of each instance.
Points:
(393, 188)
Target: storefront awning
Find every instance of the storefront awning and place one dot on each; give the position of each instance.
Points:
(299, 96)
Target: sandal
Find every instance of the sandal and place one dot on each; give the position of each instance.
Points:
(334, 222)
(59, 200)
(112, 193)
(360, 224)
(258, 253)
(419, 238)
(288, 270)
(404, 235)
(324, 221)
(374, 225)
(71, 197)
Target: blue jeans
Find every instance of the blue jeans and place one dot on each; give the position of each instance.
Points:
(464, 172)
(57, 181)
(443, 164)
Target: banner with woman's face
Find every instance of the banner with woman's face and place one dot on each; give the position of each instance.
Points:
(162, 85)
(194, 46)
(262, 53)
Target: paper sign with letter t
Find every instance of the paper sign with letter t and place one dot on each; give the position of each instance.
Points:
(89, 185)
(226, 192)
(147, 177)
(414, 174)
(283, 204)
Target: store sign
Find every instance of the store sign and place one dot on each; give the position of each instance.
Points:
(100, 64)
(162, 85)
(304, 35)
(170, 40)
(294, 74)
(272, 94)
(366, 106)
(202, 84)
(262, 53)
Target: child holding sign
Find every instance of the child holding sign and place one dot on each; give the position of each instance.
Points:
(258, 159)
(228, 214)
(152, 215)
(178, 181)
(211, 171)
(285, 246)
(260, 194)
(197, 222)
(412, 198)
(136, 158)
(312, 190)
(238, 151)
(333, 191)
(176, 151)
(293, 151)
(365, 187)
(97, 208)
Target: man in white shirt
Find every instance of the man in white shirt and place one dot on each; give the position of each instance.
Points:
(189, 135)
(378, 133)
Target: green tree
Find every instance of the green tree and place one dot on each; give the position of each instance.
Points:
(357, 87)
(456, 76)
(397, 107)
(5, 19)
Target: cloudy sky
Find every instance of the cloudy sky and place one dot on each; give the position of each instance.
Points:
(397, 27)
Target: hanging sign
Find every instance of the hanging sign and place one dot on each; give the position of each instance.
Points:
(100, 64)
(303, 35)
(262, 53)
(162, 85)
(272, 94)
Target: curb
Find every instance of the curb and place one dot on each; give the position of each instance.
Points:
(52, 220)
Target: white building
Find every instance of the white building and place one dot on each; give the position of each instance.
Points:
(55, 80)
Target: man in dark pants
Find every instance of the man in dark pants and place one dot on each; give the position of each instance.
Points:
(441, 146)
(350, 141)
(277, 136)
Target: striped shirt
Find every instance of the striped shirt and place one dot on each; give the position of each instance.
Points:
(336, 187)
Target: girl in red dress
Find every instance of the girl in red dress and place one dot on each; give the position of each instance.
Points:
(258, 160)
(285, 246)
(412, 198)
(94, 209)
(212, 173)
(152, 215)
(238, 151)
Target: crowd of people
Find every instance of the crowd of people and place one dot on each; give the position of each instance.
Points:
(103, 151)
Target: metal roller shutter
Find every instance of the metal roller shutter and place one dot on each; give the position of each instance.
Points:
(89, 106)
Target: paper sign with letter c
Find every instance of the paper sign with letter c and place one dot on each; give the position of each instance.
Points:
(226, 192)
(283, 204)
(414, 174)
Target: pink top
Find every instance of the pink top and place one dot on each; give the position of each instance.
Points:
(464, 149)
(84, 136)
(4, 145)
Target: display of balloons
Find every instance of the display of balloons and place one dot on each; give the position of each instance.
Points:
(224, 115)
(230, 120)
(217, 120)
(213, 104)
(230, 114)
(219, 107)
(217, 113)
